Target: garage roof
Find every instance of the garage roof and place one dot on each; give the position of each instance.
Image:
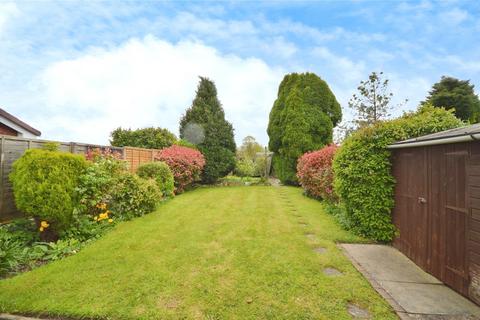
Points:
(462, 134)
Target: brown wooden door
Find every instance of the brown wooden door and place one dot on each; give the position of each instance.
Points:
(410, 213)
(454, 234)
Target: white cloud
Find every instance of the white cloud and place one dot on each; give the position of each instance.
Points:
(454, 16)
(8, 11)
(150, 82)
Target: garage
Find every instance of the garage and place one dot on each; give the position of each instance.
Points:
(437, 205)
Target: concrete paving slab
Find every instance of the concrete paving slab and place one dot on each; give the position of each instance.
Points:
(387, 263)
(429, 299)
(411, 292)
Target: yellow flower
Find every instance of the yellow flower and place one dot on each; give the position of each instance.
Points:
(95, 218)
(110, 220)
(41, 229)
(44, 224)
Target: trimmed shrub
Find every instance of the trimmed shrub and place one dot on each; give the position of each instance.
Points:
(161, 173)
(186, 165)
(133, 197)
(362, 169)
(43, 185)
(315, 173)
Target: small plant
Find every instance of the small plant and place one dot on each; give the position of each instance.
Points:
(315, 174)
(245, 168)
(185, 163)
(43, 185)
(161, 173)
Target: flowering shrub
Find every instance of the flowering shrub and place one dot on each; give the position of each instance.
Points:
(95, 185)
(93, 154)
(315, 174)
(161, 173)
(186, 165)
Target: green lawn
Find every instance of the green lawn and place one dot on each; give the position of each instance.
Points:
(213, 253)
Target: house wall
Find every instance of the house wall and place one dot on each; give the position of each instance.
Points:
(7, 130)
(21, 131)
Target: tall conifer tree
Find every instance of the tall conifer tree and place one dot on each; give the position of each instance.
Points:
(301, 120)
(205, 126)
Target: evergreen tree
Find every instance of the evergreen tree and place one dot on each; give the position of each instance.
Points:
(301, 120)
(205, 126)
(452, 93)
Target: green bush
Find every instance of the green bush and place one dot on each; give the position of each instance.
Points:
(362, 169)
(133, 196)
(44, 183)
(161, 173)
(245, 168)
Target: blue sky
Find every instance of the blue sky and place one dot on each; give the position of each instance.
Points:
(77, 70)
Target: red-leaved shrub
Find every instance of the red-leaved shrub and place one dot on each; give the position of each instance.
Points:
(186, 165)
(315, 174)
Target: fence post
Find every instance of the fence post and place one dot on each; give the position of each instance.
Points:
(72, 147)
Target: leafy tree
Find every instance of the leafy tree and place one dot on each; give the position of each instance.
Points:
(150, 138)
(301, 120)
(249, 148)
(452, 93)
(205, 126)
(372, 103)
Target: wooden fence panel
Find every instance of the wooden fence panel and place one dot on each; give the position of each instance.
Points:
(138, 156)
